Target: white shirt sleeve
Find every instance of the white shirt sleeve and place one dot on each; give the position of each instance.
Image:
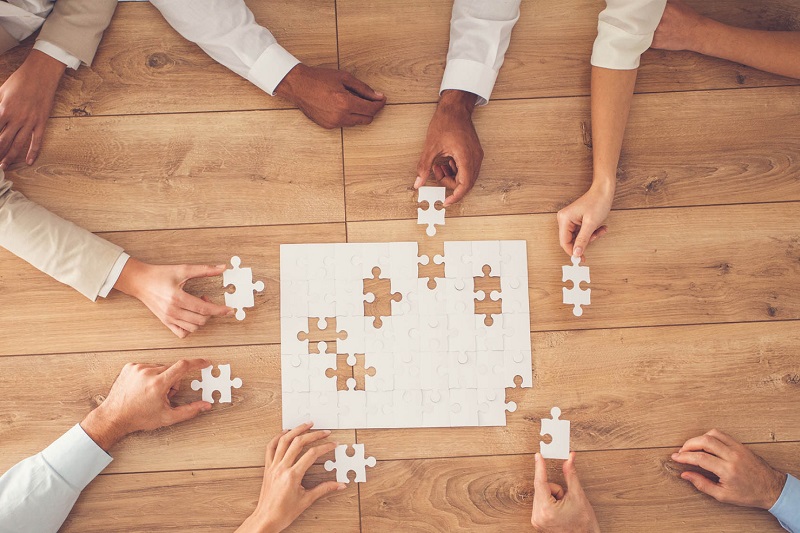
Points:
(227, 31)
(480, 31)
(625, 30)
(57, 53)
(113, 276)
(38, 493)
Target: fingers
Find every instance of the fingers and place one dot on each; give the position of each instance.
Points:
(424, 168)
(703, 484)
(177, 371)
(272, 446)
(188, 327)
(312, 455)
(297, 445)
(723, 437)
(322, 489)
(177, 330)
(582, 240)
(7, 138)
(566, 233)
(202, 271)
(571, 474)
(461, 190)
(465, 178)
(708, 444)
(356, 120)
(361, 89)
(202, 308)
(542, 492)
(36, 144)
(556, 491)
(286, 440)
(360, 106)
(701, 459)
(187, 412)
(22, 140)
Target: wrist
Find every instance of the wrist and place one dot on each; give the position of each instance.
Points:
(258, 524)
(288, 86)
(455, 101)
(102, 428)
(702, 33)
(604, 184)
(775, 490)
(48, 70)
(131, 277)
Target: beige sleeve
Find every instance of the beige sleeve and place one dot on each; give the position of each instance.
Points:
(55, 246)
(76, 26)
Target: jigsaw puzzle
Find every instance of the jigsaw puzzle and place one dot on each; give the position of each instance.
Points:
(558, 447)
(221, 383)
(408, 344)
(430, 215)
(242, 281)
(350, 463)
(576, 296)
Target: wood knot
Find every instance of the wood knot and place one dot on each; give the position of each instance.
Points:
(157, 60)
(80, 112)
(741, 78)
(771, 311)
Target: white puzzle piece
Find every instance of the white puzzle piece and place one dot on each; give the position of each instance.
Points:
(346, 463)
(431, 216)
(558, 447)
(295, 406)
(576, 296)
(221, 383)
(242, 281)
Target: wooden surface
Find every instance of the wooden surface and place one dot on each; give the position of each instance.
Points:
(696, 289)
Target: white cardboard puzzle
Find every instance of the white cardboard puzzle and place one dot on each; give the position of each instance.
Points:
(345, 463)
(558, 447)
(222, 383)
(373, 346)
(430, 215)
(576, 296)
(242, 281)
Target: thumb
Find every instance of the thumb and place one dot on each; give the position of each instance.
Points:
(582, 241)
(703, 484)
(571, 474)
(541, 494)
(203, 271)
(186, 412)
(324, 488)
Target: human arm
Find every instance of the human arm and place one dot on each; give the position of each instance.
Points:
(283, 498)
(744, 478)
(625, 30)
(556, 510)
(38, 493)
(683, 28)
(88, 263)
(227, 31)
(480, 33)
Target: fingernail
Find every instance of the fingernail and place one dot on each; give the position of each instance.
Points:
(577, 252)
(342, 486)
(417, 182)
(327, 431)
(221, 266)
(207, 407)
(380, 95)
(30, 162)
(674, 455)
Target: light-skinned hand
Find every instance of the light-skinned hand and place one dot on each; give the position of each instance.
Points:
(745, 479)
(452, 153)
(141, 400)
(581, 222)
(282, 497)
(679, 28)
(331, 98)
(160, 288)
(26, 99)
(556, 510)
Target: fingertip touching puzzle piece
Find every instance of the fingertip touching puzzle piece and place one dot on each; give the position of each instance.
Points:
(345, 463)
(430, 216)
(242, 281)
(222, 383)
(558, 447)
(576, 296)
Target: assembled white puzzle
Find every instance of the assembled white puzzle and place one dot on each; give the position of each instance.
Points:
(242, 281)
(558, 447)
(576, 296)
(221, 383)
(350, 463)
(378, 335)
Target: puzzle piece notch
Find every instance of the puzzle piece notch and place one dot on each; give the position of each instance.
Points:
(242, 281)
(558, 447)
(488, 295)
(221, 383)
(576, 296)
(350, 372)
(322, 335)
(345, 463)
(379, 297)
(430, 216)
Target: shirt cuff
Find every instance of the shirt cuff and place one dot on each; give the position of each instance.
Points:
(57, 53)
(271, 67)
(617, 49)
(76, 457)
(470, 76)
(787, 508)
(113, 276)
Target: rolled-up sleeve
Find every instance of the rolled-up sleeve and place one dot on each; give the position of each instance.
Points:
(625, 30)
(787, 508)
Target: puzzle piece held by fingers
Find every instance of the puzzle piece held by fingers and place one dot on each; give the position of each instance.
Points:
(242, 281)
(346, 463)
(430, 216)
(576, 296)
(558, 448)
(222, 383)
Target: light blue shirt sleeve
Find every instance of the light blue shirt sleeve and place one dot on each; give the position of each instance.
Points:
(38, 493)
(787, 508)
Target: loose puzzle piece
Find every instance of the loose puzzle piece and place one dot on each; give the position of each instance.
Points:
(488, 298)
(350, 463)
(242, 281)
(576, 296)
(430, 216)
(321, 330)
(380, 305)
(558, 448)
(221, 383)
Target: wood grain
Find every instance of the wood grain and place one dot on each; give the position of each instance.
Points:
(204, 500)
(400, 46)
(230, 436)
(187, 171)
(631, 490)
(144, 66)
(681, 149)
(67, 322)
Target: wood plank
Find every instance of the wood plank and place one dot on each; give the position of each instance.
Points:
(549, 52)
(72, 324)
(144, 66)
(694, 265)
(230, 436)
(187, 171)
(636, 388)
(707, 148)
(204, 500)
(631, 490)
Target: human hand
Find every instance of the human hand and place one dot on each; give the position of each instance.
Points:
(140, 400)
(282, 497)
(745, 479)
(581, 221)
(452, 152)
(160, 288)
(331, 98)
(556, 510)
(680, 27)
(26, 99)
